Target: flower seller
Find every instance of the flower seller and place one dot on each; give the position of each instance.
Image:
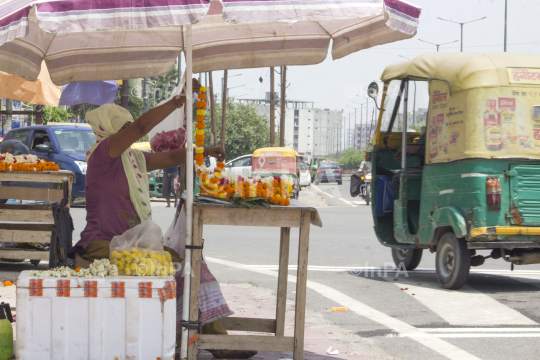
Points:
(117, 191)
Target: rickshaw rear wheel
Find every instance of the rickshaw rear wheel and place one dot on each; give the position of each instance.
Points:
(408, 258)
(452, 261)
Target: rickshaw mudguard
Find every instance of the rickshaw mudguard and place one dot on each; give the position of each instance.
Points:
(447, 216)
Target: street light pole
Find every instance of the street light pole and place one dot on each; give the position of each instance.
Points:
(461, 24)
(437, 45)
(505, 18)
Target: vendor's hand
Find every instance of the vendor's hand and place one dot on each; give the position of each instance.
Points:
(180, 100)
(217, 152)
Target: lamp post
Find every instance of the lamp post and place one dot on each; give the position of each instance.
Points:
(505, 17)
(361, 107)
(461, 24)
(437, 45)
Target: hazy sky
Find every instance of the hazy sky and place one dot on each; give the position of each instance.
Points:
(325, 83)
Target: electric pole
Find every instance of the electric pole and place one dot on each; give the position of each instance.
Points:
(283, 103)
(272, 109)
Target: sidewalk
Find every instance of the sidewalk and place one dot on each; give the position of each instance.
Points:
(249, 301)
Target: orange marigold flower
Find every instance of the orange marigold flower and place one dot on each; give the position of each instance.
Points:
(220, 164)
(78, 269)
(202, 96)
(199, 118)
(199, 162)
(199, 143)
(199, 157)
(201, 105)
(7, 283)
(200, 125)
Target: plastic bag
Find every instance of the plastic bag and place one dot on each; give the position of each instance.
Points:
(167, 133)
(139, 252)
(212, 304)
(175, 236)
(168, 140)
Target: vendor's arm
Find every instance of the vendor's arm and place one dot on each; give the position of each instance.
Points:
(128, 135)
(174, 158)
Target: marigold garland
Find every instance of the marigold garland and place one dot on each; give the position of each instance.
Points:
(8, 162)
(276, 190)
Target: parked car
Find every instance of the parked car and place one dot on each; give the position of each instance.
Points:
(66, 146)
(305, 176)
(241, 166)
(328, 171)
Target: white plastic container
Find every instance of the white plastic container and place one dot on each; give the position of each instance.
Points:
(112, 318)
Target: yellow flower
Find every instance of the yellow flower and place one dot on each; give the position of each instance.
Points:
(128, 271)
(201, 151)
(217, 175)
(199, 132)
(203, 89)
(201, 112)
(115, 254)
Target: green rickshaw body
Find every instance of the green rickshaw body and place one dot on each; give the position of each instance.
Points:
(477, 173)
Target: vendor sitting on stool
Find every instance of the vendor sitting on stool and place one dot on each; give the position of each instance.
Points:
(117, 194)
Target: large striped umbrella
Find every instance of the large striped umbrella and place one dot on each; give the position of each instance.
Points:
(104, 39)
(99, 40)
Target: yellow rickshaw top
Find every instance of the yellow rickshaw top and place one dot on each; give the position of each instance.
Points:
(143, 146)
(464, 70)
(286, 152)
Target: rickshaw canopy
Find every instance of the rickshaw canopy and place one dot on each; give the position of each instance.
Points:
(464, 71)
(275, 160)
(481, 105)
(275, 151)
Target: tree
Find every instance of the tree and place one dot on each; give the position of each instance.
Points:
(245, 130)
(163, 86)
(135, 104)
(54, 114)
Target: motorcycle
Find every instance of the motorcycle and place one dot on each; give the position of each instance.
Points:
(365, 188)
(361, 185)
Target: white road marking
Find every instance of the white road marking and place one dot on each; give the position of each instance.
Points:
(455, 336)
(347, 202)
(465, 330)
(464, 307)
(437, 345)
(319, 190)
(359, 202)
(449, 191)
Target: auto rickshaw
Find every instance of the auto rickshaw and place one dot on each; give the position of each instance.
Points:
(277, 161)
(468, 178)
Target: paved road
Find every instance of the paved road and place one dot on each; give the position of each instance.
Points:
(390, 315)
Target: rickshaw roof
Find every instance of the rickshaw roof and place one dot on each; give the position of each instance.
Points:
(463, 70)
(287, 152)
(141, 146)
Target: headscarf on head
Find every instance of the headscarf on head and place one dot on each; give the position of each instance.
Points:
(107, 120)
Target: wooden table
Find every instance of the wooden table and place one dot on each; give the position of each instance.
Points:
(29, 223)
(285, 217)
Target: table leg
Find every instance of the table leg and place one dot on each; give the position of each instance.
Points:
(281, 303)
(301, 283)
(195, 277)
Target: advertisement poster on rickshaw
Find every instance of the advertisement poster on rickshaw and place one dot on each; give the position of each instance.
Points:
(495, 122)
(273, 163)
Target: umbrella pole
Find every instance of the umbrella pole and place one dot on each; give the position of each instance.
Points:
(224, 107)
(189, 188)
(212, 110)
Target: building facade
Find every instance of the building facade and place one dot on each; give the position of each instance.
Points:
(310, 131)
